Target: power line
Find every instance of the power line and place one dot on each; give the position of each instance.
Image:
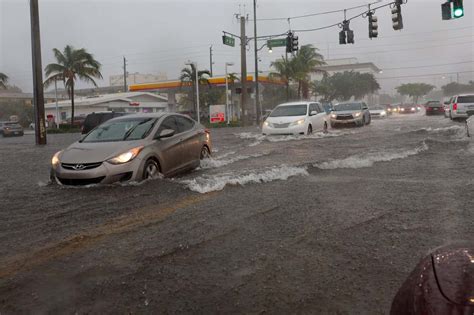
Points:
(428, 66)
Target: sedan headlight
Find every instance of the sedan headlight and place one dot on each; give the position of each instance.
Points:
(298, 122)
(333, 116)
(55, 160)
(126, 156)
(383, 113)
(402, 109)
(413, 108)
(357, 114)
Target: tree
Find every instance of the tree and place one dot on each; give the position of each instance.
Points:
(188, 77)
(284, 71)
(72, 64)
(345, 85)
(306, 61)
(414, 90)
(3, 81)
(454, 88)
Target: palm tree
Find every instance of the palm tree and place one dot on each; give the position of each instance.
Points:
(284, 71)
(72, 64)
(188, 77)
(3, 81)
(306, 61)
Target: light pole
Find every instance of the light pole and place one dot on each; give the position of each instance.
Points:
(227, 91)
(57, 108)
(195, 65)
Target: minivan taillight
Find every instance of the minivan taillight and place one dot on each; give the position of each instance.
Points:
(455, 106)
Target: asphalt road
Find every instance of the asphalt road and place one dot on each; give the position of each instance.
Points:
(322, 224)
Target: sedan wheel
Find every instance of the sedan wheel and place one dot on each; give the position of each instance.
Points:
(205, 154)
(152, 170)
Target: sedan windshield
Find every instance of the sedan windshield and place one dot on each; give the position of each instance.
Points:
(290, 110)
(121, 130)
(347, 106)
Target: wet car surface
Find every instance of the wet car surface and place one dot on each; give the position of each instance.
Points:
(193, 244)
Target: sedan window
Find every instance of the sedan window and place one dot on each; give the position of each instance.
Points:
(168, 123)
(184, 124)
(121, 130)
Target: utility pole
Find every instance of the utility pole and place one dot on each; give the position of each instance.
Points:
(57, 107)
(210, 60)
(243, 80)
(258, 108)
(457, 77)
(125, 88)
(38, 92)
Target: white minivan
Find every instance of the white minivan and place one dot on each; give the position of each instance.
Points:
(296, 118)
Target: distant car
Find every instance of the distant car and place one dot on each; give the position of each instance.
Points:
(461, 106)
(298, 118)
(447, 109)
(78, 121)
(388, 108)
(470, 126)
(95, 119)
(354, 113)
(378, 111)
(407, 109)
(11, 129)
(434, 108)
(133, 148)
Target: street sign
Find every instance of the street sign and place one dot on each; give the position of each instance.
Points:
(280, 42)
(217, 113)
(227, 40)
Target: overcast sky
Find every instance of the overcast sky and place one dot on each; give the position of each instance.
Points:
(161, 35)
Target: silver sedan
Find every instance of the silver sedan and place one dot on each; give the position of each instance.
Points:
(133, 148)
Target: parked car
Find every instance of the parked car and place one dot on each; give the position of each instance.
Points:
(434, 108)
(95, 119)
(10, 129)
(378, 111)
(354, 113)
(461, 106)
(296, 118)
(407, 109)
(470, 126)
(133, 148)
(78, 121)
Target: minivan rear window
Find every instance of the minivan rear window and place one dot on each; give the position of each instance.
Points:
(466, 99)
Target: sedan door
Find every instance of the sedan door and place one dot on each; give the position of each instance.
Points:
(190, 138)
(169, 149)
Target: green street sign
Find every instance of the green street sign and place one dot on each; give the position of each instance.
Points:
(229, 41)
(281, 42)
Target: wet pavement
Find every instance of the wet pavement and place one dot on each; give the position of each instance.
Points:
(327, 223)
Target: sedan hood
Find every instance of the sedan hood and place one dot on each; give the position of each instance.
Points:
(94, 152)
(284, 119)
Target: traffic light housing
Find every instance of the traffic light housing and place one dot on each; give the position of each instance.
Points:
(397, 17)
(342, 38)
(350, 37)
(446, 11)
(289, 42)
(373, 26)
(458, 9)
(294, 43)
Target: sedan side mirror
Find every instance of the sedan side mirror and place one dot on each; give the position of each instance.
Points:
(165, 133)
(313, 113)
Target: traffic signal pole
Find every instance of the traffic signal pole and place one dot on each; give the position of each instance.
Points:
(38, 93)
(258, 107)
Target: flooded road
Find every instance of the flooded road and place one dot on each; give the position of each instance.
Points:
(325, 223)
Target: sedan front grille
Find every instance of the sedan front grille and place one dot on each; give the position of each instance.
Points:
(281, 125)
(80, 166)
(344, 117)
(80, 181)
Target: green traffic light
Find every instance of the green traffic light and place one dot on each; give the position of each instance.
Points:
(458, 12)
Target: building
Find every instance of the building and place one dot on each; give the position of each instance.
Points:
(136, 78)
(131, 102)
(349, 64)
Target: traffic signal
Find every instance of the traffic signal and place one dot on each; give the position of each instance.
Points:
(342, 38)
(289, 42)
(458, 9)
(294, 43)
(373, 26)
(446, 11)
(350, 37)
(397, 17)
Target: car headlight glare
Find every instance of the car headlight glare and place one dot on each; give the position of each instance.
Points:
(333, 116)
(55, 159)
(402, 109)
(126, 156)
(413, 108)
(298, 122)
(357, 114)
(383, 113)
